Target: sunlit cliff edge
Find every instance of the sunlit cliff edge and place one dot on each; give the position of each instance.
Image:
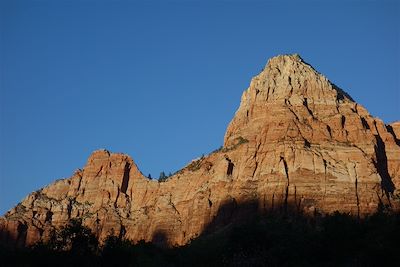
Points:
(297, 141)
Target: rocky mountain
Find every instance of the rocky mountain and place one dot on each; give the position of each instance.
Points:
(296, 142)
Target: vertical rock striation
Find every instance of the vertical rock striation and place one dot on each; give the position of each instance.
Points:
(297, 141)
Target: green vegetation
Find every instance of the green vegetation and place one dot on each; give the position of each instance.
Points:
(271, 240)
(217, 150)
(195, 164)
(241, 140)
(238, 141)
(162, 177)
(74, 238)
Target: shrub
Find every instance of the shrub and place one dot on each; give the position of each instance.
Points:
(238, 141)
(75, 238)
(195, 164)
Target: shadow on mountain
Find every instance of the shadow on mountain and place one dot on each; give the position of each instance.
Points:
(389, 128)
(241, 234)
(381, 165)
(341, 93)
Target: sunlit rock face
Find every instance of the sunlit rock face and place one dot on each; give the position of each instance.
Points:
(296, 142)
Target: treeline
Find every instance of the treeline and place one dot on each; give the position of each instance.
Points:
(268, 240)
(162, 177)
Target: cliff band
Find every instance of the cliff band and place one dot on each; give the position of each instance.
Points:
(297, 141)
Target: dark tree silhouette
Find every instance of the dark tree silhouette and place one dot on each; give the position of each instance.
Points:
(117, 252)
(162, 177)
(75, 238)
(276, 238)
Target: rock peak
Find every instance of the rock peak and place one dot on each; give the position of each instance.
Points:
(288, 87)
(289, 62)
(287, 76)
(297, 141)
(285, 57)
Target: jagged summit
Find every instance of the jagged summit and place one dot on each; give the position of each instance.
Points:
(288, 87)
(296, 140)
(287, 76)
(285, 57)
(279, 59)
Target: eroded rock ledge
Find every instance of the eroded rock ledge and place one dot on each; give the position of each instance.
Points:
(296, 141)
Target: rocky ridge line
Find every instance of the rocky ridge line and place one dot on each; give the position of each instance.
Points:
(297, 141)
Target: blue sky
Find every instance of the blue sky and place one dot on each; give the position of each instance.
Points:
(160, 81)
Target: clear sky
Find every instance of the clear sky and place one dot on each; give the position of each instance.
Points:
(160, 81)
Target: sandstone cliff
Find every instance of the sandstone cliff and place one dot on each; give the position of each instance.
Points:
(297, 141)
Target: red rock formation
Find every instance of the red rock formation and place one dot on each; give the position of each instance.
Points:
(296, 140)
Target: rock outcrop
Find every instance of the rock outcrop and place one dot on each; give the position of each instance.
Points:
(297, 142)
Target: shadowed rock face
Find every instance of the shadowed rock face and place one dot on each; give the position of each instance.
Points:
(296, 138)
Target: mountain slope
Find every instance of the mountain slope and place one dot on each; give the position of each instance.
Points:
(297, 141)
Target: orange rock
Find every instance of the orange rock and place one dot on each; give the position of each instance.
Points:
(296, 140)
